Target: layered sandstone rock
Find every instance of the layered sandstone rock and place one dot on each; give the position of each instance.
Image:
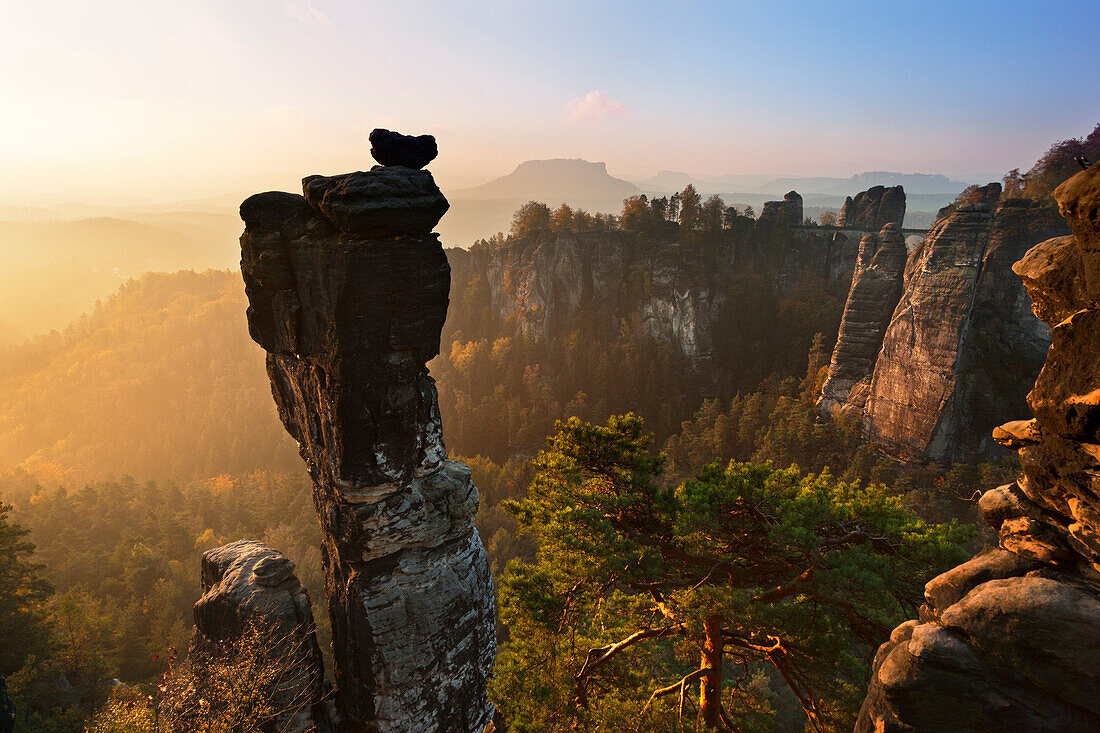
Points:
(962, 343)
(539, 286)
(1009, 640)
(873, 209)
(876, 288)
(251, 588)
(347, 294)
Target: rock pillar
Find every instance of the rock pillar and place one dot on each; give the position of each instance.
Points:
(348, 291)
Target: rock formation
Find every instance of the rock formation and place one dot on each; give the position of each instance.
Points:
(248, 585)
(393, 148)
(538, 285)
(876, 288)
(961, 345)
(347, 293)
(1009, 640)
(874, 208)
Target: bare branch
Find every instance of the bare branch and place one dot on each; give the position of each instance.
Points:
(599, 656)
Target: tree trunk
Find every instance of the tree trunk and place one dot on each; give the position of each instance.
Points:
(710, 686)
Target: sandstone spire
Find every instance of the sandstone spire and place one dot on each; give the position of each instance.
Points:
(1009, 640)
(348, 291)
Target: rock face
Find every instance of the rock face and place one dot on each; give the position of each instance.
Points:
(1009, 640)
(248, 584)
(961, 345)
(540, 286)
(349, 304)
(876, 288)
(675, 293)
(873, 209)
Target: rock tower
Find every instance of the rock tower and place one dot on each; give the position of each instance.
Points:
(348, 291)
(1009, 641)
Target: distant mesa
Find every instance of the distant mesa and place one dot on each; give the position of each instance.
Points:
(580, 182)
(411, 151)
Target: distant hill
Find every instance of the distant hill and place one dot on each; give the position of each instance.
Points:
(56, 270)
(914, 183)
(160, 381)
(481, 211)
(574, 181)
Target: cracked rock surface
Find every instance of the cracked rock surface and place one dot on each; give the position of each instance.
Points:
(1009, 641)
(347, 293)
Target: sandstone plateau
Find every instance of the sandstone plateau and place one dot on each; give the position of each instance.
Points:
(1009, 640)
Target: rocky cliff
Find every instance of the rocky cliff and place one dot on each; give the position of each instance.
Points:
(537, 286)
(961, 344)
(1009, 640)
(348, 291)
(251, 588)
(876, 288)
(873, 209)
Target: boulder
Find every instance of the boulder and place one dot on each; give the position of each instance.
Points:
(249, 587)
(380, 203)
(393, 148)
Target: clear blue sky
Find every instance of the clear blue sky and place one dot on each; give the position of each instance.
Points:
(204, 97)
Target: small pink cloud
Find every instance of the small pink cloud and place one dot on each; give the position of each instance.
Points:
(593, 106)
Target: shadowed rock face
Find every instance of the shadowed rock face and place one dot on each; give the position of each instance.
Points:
(347, 294)
(1009, 640)
(876, 288)
(247, 584)
(873, 209)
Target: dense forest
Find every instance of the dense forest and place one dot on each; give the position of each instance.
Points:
(144, 433)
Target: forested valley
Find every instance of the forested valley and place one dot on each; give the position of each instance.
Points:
(144, 434)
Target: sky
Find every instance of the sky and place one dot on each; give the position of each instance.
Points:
(173, 100)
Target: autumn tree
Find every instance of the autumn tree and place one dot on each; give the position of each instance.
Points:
(637, 215)
(530, 219)
(649, 603)
(691, 209)
(563, 219)
(828, 219)
(1057, 164)
(712, 214)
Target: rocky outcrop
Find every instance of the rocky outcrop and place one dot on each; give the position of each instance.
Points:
(962, 344)
(873, 209)
(250, 587)
(347, 294)
(1009, 640)
(665, 290)
(876, 288)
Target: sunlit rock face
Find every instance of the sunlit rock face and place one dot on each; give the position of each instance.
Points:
(873, 209)
(347, 293)
(961, 345)
(1009, 640)
(250, 585)
(876, 288)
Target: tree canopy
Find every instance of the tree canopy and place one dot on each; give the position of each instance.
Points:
(750, 584)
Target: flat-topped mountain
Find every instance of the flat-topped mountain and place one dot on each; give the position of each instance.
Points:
(577, 181)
